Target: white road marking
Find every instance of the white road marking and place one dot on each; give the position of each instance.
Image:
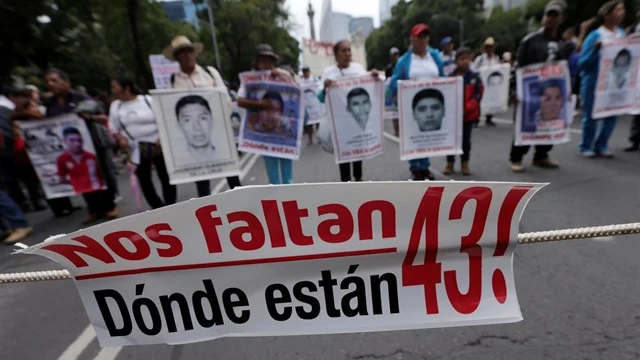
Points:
(108, 353)
(73, 351)
(604, 238)
(77, 347)
(510, 122)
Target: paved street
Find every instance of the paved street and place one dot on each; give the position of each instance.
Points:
(580, 299)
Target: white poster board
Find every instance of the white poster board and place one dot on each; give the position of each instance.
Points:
(544, 110)
(431, 117)
(301, 259)
(162, 68)
(196, 134)
(356, 107)
(496, 80)
(312, 105)
(63, 156)
(618, 89)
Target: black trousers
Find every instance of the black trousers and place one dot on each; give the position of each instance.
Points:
(518, 152)
(143, 172)
(204, 186)
(635, 130)
(345, 171)
(466, 143)
(99, 202)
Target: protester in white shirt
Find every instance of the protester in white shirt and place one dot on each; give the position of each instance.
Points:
(305, 80)
(344, 67)
(132, 120)
(192, 75)
(487, 59)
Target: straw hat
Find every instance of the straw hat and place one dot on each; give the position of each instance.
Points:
(181, 42)
(489, 42)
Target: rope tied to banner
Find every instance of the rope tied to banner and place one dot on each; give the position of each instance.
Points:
(524, 239)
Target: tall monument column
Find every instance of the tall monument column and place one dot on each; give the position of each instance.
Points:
(311, 13)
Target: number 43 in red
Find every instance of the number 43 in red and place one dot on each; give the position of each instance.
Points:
(429, 274)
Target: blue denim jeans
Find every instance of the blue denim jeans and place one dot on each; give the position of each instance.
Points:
(419, 164)
(279, 170)
(596, 133)
(11, 212)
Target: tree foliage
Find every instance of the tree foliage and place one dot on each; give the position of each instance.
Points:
(93, 40)
(507, 27)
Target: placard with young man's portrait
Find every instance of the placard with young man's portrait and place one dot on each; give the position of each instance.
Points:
(431, 117)
(544, 107)
(356, 107)
(195, 134)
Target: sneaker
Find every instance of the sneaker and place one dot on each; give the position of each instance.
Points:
(417, 175)
(17, 235)
(607, 154)
(588, 154)
(490, 123)
(517, 167)
(546, 163)
(632, 148)
(112, 214)
(428, 175)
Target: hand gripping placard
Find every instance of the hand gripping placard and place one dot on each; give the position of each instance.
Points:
(301, 259)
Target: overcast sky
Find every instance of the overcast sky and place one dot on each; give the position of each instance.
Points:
(298, 11)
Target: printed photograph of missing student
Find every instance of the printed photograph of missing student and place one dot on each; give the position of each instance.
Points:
(619, 74)
(359, 106)
(76, 166)
(278, 126)
(544, 101)
(495, 79)
(428, 109)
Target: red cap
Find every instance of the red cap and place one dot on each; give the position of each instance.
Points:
(419, 29)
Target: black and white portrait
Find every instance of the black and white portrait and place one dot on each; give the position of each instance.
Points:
(495, 79)
(496, 84)
(428, 109)
(619, 74)
(359, 106)
(196, 134)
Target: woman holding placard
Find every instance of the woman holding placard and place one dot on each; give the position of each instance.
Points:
(344, 67)
(421, 62)
(605, 27)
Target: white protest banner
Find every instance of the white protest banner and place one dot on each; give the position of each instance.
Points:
(62, 154)
(356, 106)
(299, 260)
(276, 132)
(618, 90)
(162, 68)
(431, 117)
(196, 134)
(312, 105)
(496, 88)
(544, 109)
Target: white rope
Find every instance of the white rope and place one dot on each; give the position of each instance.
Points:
(526, 238)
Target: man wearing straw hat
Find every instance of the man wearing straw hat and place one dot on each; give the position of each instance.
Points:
(192, 75)
(487, 59)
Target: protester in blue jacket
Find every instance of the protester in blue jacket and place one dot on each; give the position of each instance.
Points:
(421, 62)
(605, 27)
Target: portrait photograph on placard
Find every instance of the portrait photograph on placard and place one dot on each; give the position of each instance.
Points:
(496, 84)
(356, 107)
(196, 134)
(62, 153)
(543, 113)
(312, 105)
(274, 132)
(617, 90)
(431, 117)
(237, 114)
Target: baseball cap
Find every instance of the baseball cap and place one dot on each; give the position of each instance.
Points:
(419, 29)
(446, 41)
(393, 51)
(555, 5)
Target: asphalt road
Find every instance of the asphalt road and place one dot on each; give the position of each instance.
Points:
(580, 299)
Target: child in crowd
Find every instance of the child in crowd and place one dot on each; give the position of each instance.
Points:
(473, 90)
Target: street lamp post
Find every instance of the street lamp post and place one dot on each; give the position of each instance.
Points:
(213, 35)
